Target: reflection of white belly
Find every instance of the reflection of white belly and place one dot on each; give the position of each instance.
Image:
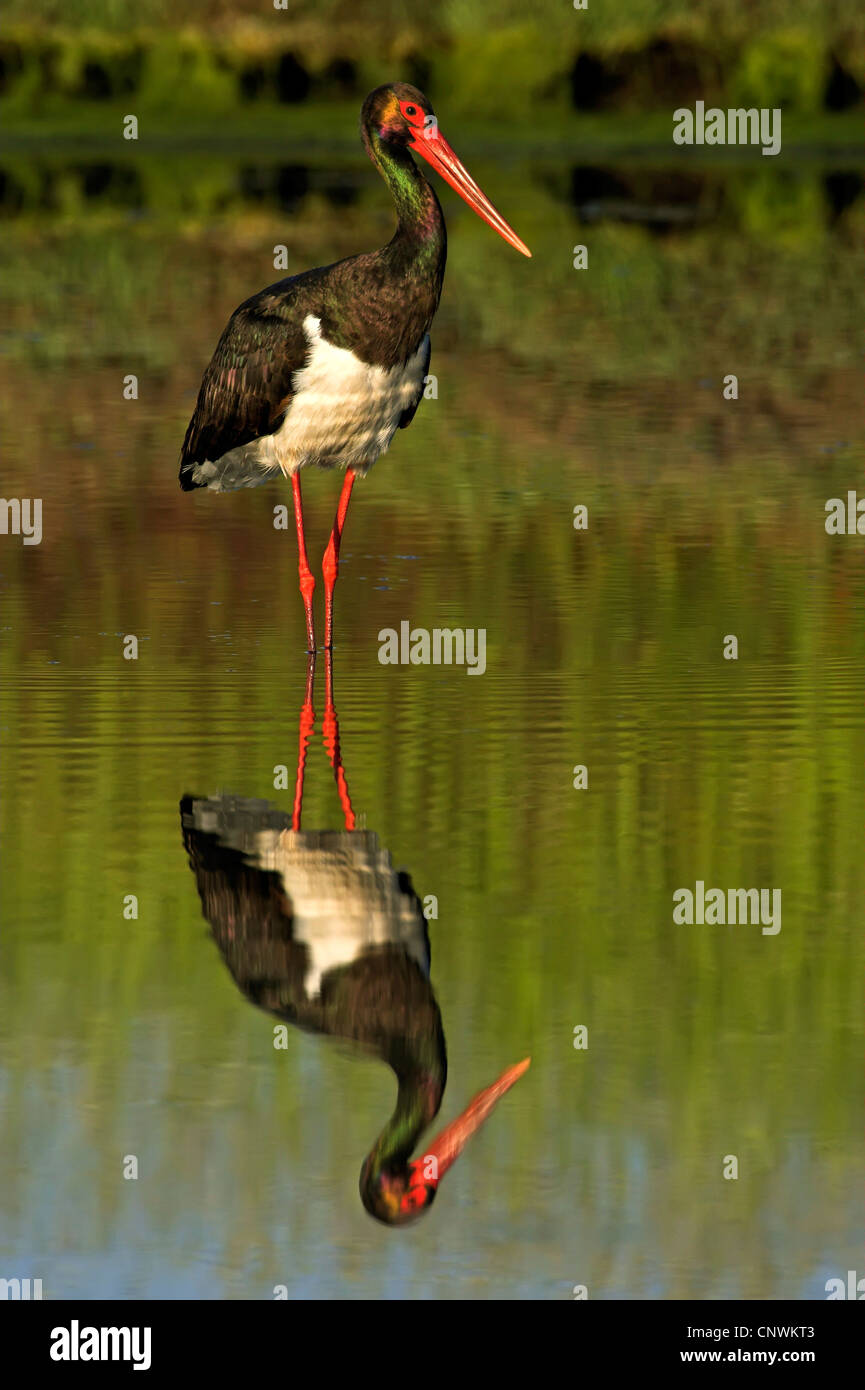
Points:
(345, 898)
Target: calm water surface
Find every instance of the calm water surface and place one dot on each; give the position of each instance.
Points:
(605, 648)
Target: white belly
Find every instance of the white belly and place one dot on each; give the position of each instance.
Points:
(344, 414)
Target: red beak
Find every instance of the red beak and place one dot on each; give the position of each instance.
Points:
(447, 1146)
(434, 148)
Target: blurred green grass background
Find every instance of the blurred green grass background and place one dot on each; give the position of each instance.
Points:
(489, 61)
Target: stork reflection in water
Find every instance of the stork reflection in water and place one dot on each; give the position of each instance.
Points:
(319, 929)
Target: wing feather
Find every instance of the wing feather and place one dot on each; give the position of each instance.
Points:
(409, 412)
(247, 387)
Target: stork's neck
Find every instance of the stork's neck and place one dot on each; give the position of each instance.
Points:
(418, 1100)
(421, 229)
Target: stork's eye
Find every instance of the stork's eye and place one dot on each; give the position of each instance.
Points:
(413, 1200)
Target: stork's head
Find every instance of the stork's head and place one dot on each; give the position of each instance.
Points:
(397, 1192)
(399, 115)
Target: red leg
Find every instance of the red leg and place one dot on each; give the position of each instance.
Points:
(330, 731)
(330, 563)
(307, 579)
(306, 724)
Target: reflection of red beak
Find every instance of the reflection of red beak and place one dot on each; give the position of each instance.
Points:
(434, 148)
(447, 1146)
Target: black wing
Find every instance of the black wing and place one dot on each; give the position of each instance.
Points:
(246, 389)
(409, 412)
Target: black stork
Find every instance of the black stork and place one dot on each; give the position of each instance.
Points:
(324, 367)
(319, 929)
